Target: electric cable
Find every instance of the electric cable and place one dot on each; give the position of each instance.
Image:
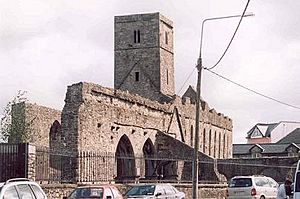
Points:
(231, 38)
(253, 91)
(186, 80)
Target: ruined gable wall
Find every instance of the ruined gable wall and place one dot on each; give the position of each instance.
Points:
(40, 118)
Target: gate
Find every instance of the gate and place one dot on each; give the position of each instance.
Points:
(13, 161)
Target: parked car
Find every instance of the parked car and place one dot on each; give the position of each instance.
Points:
(154, 191)
(95, 191)
(19, 188)
(256, 187)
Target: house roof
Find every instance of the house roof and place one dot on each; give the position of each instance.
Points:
(275, 148)
(294, 136)
(263, 129)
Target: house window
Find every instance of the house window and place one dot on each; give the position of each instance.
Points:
(166, 38)
(137, 36)
(137, 76)
(256, 155)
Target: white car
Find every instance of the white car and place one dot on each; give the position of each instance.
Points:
(159, 191)
(252, 187)
(297, 182)
(19, 188)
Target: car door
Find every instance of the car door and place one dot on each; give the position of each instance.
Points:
(274, 188)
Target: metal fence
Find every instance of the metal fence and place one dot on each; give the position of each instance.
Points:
(97, 167)
(53, 165)
(57, 166)
(13, 161)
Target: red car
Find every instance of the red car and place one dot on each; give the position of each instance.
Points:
(95, 191)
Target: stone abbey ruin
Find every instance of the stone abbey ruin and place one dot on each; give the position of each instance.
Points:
(141, 122)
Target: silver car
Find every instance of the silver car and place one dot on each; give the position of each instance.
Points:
(252, 187)
(19, 188)
(154, 191)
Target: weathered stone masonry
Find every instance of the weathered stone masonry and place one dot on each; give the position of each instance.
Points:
(98, 118)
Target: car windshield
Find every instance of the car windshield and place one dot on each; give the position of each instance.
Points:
(141, 190)
(241, 182)
(89, 192)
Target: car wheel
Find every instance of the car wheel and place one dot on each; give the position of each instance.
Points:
(262, 197)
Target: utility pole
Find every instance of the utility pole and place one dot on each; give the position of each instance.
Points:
(195, 171)
(196, 144)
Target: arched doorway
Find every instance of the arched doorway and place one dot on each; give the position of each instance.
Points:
(125, 159)
(150, 163)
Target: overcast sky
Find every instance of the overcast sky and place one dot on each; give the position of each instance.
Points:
(47, 45)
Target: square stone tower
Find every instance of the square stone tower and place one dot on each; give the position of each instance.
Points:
(144, 56)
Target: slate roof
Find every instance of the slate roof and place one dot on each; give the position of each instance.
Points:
(275, 148)
(264, 129)
(293, 136)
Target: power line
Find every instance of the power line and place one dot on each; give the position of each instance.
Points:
(242, 16)
(253, 91)
(186, 80)
(209, 68)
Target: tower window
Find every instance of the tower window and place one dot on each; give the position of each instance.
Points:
(166, 38)
(137, 36)
(192, 135)
(167, 77)
(137, 76)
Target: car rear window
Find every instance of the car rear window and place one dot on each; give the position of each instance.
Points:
(87, 192)
(141, 190)
(241, 182)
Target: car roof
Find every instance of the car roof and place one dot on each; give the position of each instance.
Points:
(253, 176)
(96, 186)
(152, 184)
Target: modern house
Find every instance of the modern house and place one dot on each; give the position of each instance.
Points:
(270, 133)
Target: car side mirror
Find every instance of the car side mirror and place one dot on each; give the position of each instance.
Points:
(108, 197)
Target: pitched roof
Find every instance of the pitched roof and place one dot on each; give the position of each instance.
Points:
(275, 148)
(192, 94)
(294, 136)
(263, 129)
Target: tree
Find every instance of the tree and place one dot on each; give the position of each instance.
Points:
(13, 125)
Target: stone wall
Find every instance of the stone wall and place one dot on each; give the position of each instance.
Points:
(276, 167)
(94, 114)
(99, 118)
(58, 191)
(40, 119)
